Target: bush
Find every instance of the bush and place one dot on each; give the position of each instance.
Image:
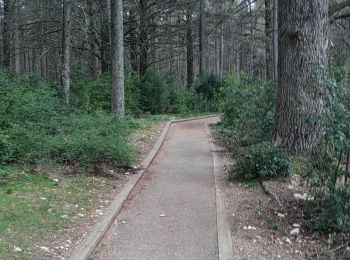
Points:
(6, 149)
(248, 107)
(90, 139)
(327, 174)
(261, 161)
(209, 86)
(35, 126)
(154, 93)
(332, 214)
(95, 95)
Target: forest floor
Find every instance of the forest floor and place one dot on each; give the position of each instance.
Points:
(258, 227)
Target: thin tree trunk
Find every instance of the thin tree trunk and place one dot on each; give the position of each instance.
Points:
(105, 45)
(6, 39)
(303, 45)
(222, 51)
(66, 50)
(16, 51)
(117, 30)
(144, 44)
(93, 59)
(189, 45)
(201, 37)
(275, 40)
(268, 42)
(133, 43)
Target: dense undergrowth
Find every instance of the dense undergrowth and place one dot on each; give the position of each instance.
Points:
(247, 128)
(36, 128)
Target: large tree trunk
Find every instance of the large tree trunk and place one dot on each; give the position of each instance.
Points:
(302, 60)
(66, 50)
(189, 49)
(118, 106)
(6, 37)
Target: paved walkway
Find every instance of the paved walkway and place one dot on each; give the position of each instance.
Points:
(174, 215)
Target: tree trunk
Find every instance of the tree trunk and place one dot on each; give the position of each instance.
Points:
(94, 68)
(6, 37)
(201, 36)
(16, 52)
(143, 37)
(133, 43)
(302, 61)
(275, 40)
(118, 106)
(105, 46)
(222, 50)
(66, 50)
(268, 42)
(189, 47)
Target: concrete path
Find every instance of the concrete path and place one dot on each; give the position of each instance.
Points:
(172, 214)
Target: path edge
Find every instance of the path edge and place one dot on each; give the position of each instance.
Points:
(90, 242)
(224, 233)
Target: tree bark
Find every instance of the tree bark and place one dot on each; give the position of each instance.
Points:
(94, 67)
(275, 40)
(268, 42)
(144, 44)
(66, 50)
(201, 36)
(133, 43)
(189, 47)
(6, 37)
(105, 47)
(302, 60)
(338, 5)
(222, 50)
(117, 30)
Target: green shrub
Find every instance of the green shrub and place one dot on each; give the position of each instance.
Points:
(35, 126)
(94, 138)
(94, 95)
(209, 86)
(326, 173)
(6, 149)
(248, 107)
(185, 101)
(332, 213)
(154, 93)
(261, 161)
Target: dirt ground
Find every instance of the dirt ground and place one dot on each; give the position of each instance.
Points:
(261, 231)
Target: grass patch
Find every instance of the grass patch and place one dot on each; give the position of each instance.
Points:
(251, 184)
(272, 224)
(34, 207)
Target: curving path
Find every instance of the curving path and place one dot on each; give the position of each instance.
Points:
(172, 213)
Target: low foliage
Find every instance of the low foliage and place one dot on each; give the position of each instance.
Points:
(327, 173)
(261, 161)
(249, 111)
(34, 126)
